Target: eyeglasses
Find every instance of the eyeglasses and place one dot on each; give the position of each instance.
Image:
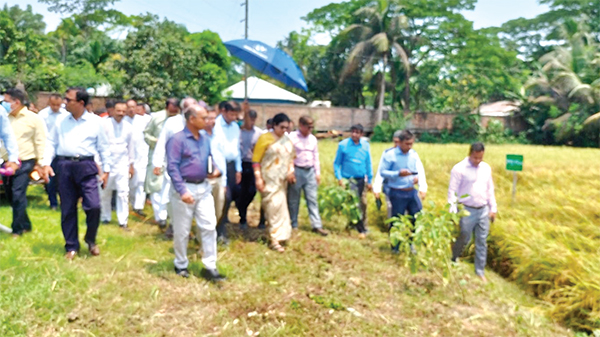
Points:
(67, 99)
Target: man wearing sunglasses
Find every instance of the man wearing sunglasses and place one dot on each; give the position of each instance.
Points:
(76, 139)
(308, 175)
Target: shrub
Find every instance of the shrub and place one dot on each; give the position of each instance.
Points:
(336, 200)
(384, 131)
(432, 237)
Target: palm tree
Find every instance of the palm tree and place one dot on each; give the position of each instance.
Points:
(571, 72)
(379, 29)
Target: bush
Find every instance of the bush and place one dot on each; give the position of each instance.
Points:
(466, 127)
(432, 237)
(384, 131)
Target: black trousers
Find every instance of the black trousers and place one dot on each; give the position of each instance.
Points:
(247, 191)
(233, 191)
(78, 179)
(52, 187)
(357, 185)
(15, 187)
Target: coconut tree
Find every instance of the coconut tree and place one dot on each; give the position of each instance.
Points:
(379, 28)
(570, 72)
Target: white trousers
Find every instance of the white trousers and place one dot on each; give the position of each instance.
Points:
(203, 211)
(136, 185)
(117, 180)
(164, 196)
(160, 213)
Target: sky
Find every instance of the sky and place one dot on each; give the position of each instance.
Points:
(272, 20)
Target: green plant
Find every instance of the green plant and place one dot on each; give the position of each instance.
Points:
(384, 131)
(466, 127)
(432, 237)
(336, 200)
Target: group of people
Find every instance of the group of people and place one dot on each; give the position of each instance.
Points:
(193, 161)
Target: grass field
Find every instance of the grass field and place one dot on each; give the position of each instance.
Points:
(333, 286)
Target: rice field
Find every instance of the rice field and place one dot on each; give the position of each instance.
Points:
(548, 240)
(545, 245)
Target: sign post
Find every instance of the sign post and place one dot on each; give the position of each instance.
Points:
(514, 162)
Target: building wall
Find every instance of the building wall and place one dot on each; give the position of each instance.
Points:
(341, 119)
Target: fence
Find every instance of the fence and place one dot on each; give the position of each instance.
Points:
(341, 119)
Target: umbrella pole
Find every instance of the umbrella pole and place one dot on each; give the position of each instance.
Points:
(246, 64)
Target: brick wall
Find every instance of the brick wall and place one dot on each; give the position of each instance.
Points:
(340, 119)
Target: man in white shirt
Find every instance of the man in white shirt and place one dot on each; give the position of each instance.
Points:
(122, 153)
(77, 138)
(136, 183)
(50, 114)
(228, 131)
(171, 127)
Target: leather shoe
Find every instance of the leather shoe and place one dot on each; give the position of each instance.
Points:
(94, 250)
(70, 255)
(162, 224)
(213, 275)
(140, 212)
(320, 231)
(182, 272)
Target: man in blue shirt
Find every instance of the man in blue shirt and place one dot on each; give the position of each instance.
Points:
(228, 131)
(188, 152)
(402, 170)
(76, 139)
(353, 162)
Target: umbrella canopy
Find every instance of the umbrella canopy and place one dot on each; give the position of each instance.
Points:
(270, 61)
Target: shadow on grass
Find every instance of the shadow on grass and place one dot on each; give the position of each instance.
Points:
(166, 270)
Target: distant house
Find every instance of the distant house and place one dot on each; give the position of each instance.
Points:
(261, 91)
(498, 109)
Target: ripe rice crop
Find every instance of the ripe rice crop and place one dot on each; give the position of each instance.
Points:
(548, 240)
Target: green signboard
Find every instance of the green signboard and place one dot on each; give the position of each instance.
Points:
(514, 162)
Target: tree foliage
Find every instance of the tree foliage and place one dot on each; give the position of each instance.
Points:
(161, 59)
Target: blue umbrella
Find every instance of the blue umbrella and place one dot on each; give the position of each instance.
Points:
(270, 61)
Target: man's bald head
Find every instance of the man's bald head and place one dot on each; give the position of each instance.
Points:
(187, 102)
(194, 111)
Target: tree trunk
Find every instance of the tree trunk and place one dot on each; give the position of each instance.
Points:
(406, 94)
(64, 51)
(394, 75)
(379, 112)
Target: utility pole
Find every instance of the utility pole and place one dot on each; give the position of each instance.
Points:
(246, 64)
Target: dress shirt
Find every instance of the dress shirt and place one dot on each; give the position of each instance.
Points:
(307, 150)
(395, 160)
(50, 117)
(378, 180)
(187, 158)
(216, 149)
(30, 132)
(79, 137)
(476, 182)
(8, 137)
(230, 134)
(171, 127)
(139, 123)
(248, 139)
(122, 145)
(353, 160)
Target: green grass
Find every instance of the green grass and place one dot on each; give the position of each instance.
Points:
(333, 286)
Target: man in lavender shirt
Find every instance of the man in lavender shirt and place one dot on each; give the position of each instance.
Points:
(191, 196)
(308, 175)
(472, 178)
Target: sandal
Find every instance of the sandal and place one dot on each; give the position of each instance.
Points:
(277, 247)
